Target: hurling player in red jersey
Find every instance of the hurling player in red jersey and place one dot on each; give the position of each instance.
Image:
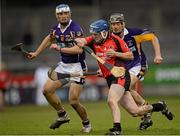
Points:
(114, 50)
(138, 66)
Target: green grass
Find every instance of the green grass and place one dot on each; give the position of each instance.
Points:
(34, 120)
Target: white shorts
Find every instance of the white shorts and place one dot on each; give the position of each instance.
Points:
(135, 71)
(70, 68)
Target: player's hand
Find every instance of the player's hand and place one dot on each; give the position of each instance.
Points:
(55, 47)
(80, 41)
(158, 60)
(110, 53)
(32, 55)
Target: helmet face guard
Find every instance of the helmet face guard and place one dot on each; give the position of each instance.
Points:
(63, 14)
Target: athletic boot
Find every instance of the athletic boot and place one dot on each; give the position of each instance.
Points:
(113, 132)
(61, 120)
(87, 127)
(165, 111)
(146, 121)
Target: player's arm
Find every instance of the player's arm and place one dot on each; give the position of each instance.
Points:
(72, 50)
(44, 44)
(126, 54)
(84, 41)
(158, 58)
(79, 42)
(155, 42)
(75, 49)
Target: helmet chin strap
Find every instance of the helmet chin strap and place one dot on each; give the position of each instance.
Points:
(104, 35)
(119, 33)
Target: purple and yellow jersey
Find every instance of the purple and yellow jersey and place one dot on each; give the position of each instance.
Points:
(144, 37)
(72, 31)
(133, 38)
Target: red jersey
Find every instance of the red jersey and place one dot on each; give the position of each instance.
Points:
(101, 50)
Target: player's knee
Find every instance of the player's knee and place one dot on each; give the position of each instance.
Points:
(111, 102)
(46, 92)
(74, 103)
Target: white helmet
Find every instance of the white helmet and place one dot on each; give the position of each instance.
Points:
(63, 8)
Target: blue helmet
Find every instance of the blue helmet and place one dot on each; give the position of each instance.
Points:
(99, 26)
(63, 8)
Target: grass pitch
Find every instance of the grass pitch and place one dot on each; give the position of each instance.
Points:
(34, 120)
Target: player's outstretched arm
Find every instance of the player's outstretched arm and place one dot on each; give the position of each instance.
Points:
(80, 41)
(44, 44)
(72, 50)
(155, 42)
(158, 58)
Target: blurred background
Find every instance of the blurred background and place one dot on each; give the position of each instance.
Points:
(31, 20)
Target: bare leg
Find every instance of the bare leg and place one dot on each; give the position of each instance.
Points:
(137, 98)
(146, 119)
(74, 93)
(129, 104)
(114, 96)
(49, 92)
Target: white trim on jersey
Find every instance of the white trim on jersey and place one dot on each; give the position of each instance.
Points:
(63, 30)
(125, 33)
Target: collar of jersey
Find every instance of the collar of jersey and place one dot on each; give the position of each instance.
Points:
(125, 32)
(59, 26)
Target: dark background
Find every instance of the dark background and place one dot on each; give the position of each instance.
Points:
(29, 21)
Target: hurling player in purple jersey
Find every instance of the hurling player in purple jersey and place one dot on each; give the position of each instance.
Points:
(137, 67)
(72, 61)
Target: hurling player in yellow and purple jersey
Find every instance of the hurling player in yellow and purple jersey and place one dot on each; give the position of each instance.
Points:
(138, 66)
(72, 61)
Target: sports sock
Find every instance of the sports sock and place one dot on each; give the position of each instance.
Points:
(61, 114)
(117, 126)
(85, 122)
